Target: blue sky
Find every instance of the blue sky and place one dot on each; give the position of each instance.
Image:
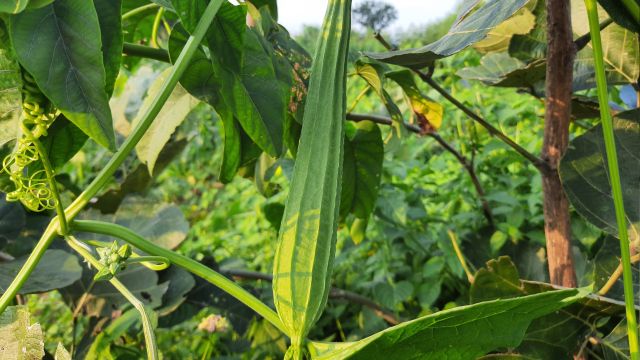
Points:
(293, 14)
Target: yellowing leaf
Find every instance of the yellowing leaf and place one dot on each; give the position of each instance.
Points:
(499, 37)
(19, 339)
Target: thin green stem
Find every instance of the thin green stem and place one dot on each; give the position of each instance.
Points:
(104, 176)
(184, 262)
(51, 179)
(147, 325)
(156, 26)
(140, 10)
(179, 68)
(614, 176)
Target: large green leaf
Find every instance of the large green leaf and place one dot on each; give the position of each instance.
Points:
(160, 223)
(201, 81)
(62, 142)
(621, 46)
(466, 332)
(55, 270)
(143, 283)
(498, 38)
(109, 16)
(469, 30)
(585, 176)
(173, 113)
(362, 168)
(557, 335)
(19, 339)
(13, 6)
(615, 346)
(10, 85)
(620, 14)
(500, 69)
(244, 68)
(60, 45)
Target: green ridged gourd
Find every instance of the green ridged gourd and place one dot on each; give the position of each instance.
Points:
(307, 239)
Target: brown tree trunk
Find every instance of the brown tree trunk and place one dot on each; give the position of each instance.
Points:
(560, 56)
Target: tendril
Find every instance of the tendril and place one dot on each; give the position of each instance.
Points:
(33, 189)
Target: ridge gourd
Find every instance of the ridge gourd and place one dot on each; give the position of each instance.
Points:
(307, 238)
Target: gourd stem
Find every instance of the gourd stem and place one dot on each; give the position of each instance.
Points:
(184, 262)
(147, 326)
(614, 177)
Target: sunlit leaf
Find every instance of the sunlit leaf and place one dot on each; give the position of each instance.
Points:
(466, 332)
(471, 29)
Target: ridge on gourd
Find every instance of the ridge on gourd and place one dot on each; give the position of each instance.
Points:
(307, 238)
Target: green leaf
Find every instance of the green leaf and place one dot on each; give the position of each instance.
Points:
(362, 169)
(251, 87)
(500, 69)
(462, 34)
(465, 332)
(532, 45)
(142, 282)
(109, 16)
(585, 178)
(621, 46)
(499, 279)
(498, 38)
(620, 14)
(62, 142)
(554, 336)
(60, 45)
(19, 339)
(55, 270)
(13, 6)
(163, 224)
(175, 110)
(615, 346)
(101, 346)
(10, 86)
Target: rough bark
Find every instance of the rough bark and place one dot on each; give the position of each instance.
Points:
(560, 56)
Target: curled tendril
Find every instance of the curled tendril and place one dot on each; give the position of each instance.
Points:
(33, 190)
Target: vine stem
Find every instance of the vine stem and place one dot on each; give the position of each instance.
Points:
(147, 326)
(140, 10)
(184, 262)
(614, 177)
(105, 175)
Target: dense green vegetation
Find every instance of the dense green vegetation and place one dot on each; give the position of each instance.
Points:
(440, 248)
